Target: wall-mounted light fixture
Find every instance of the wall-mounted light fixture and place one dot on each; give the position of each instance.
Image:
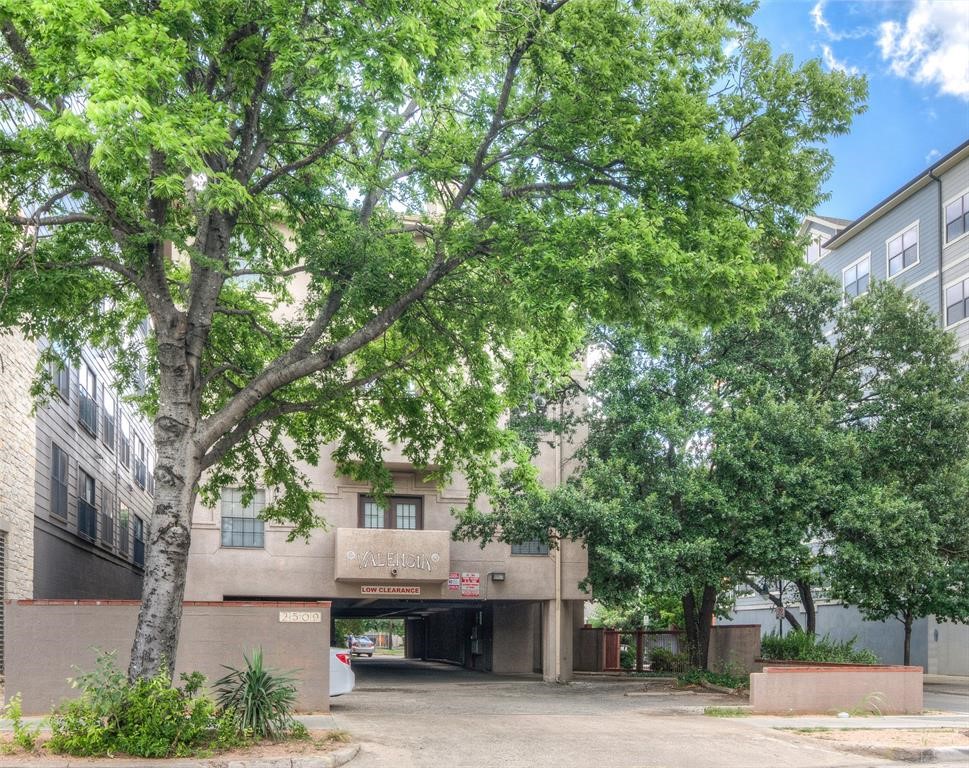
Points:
(497, 575)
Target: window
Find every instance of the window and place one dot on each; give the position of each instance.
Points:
(124, 446)
(88, 408)
(903, 251)
(107, 519)
(241, 526)
(124, 515)
(61, 373)
(404, 513)
(533, 547)
(814, 252)
(957, 218)
(150, 474)
(141, 468)
(108, 420)
(59, 467)
(138, 526)
(957, 302)
(87, 511)
(855, 278)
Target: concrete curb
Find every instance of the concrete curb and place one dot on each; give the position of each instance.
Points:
(333, 759)
(906, 754)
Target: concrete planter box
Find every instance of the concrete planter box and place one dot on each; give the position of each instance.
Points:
(807, 688)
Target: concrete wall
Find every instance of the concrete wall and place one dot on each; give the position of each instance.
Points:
(47, 641)
(733, 648)
(516, 638)
(948, 648)
(829, 690)
(18, 359)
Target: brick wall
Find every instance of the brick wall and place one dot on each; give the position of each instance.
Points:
(18, 359)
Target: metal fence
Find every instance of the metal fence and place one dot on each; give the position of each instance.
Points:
(646, 650)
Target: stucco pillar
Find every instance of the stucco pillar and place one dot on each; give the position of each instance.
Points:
(557, 631)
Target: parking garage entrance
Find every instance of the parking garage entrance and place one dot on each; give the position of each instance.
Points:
(504, 637)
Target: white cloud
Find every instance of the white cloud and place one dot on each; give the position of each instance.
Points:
(933, 153)
(931, 46)
(827, 55)
(822, 25)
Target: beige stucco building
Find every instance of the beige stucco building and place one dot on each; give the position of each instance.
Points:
(498, 608)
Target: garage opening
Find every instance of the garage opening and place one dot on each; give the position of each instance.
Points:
(503, 637)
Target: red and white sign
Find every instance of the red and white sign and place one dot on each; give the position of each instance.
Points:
(382, 589)
(470, 585)
(454, 581)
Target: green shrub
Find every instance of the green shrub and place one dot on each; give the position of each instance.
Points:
(263, 700)
(664, 660)
(725, 679)
(148, 718)
(800, 646)
(24, 736)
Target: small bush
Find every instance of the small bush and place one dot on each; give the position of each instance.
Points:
(148, 718)
(262, 700)
(800, 646)
(24, 736)
(725, 679)
(664, 660)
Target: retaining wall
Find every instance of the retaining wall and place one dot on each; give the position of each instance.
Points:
(48, 641)
(829, 689)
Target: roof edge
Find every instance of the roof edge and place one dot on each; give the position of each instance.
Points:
(899, 195)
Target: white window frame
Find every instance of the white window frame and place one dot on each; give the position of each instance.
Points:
(945, 317)
(945, 228)
(855, 263)
(822, 251)
(918, 250)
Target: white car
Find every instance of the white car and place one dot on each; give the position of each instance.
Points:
(342, 678)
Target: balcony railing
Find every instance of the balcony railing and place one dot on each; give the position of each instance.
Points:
(107, 530)
(88, 414)
(139, 552)
(87, 519)
(141, 473)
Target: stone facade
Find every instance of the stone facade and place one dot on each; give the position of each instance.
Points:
(18, 359)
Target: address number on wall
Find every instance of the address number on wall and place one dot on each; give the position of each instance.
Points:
(300, 617)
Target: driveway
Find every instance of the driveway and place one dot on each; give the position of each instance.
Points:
(409, 714)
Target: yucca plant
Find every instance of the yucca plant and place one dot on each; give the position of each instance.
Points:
(262, 699)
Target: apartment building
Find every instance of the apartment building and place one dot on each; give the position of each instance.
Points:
(917, 238)
(93, 486)
(499, 608)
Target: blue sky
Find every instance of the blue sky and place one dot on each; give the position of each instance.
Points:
(915, 54)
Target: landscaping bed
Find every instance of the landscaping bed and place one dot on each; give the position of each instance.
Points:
(316, 743)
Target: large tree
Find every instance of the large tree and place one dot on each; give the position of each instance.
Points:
(325, 207)
(819, 440)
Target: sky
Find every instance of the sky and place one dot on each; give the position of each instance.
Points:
(915, 54)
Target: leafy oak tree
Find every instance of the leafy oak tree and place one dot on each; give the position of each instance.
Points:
(326, 208)
(899, 546)
(818, 439)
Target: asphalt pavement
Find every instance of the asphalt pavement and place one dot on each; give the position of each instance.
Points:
(408, 714)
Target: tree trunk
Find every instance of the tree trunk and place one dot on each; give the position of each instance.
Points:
(907, 652)
(810, 609)
(178, 469)
(698, 621)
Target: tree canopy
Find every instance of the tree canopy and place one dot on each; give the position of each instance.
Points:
(819, 441)
(327, 207)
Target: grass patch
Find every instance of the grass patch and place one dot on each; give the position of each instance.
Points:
(726, 712)
(725, 679)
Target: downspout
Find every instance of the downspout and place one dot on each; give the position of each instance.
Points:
(941, 214)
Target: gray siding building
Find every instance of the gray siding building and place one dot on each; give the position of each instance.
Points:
(918, 238)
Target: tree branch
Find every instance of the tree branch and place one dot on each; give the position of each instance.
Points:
(318, 153)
